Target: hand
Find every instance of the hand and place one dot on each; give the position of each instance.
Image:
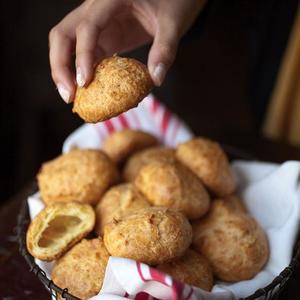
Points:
(100, 28)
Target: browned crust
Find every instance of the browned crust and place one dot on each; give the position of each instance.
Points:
(117, 202)
(209, 162)
(81, 270)
(143, 157)
(192, 268)
(173, 185)
(121, 144)
(82, 175)
(118, 85)
(232, 241)
(152, 235)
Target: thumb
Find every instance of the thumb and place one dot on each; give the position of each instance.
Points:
(163, 51)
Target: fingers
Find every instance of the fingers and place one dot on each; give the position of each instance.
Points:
(60, 57)
(88, 50)
(163, 50)
(81, 27)
(61, 47)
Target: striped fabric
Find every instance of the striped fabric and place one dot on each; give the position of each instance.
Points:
(129, 279)
(150, 116)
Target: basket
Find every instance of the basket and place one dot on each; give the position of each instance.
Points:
(271, 291)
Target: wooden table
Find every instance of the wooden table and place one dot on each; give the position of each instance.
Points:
(16, 282)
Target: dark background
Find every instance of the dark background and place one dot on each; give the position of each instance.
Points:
(231, 54)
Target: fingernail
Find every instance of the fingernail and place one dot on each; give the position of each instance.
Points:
(159, 73)
(64, 93)
(80, 77)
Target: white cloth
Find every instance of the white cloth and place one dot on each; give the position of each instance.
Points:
(270, 192)
(150, 116)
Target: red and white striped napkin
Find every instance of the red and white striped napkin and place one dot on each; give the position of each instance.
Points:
(270, 192)
(129, 279)
(150, 116)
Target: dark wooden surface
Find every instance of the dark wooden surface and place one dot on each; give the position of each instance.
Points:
(16, 282)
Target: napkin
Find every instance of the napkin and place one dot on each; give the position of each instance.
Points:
(150, 116)
(271, 193)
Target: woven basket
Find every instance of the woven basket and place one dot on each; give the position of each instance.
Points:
(271, 291)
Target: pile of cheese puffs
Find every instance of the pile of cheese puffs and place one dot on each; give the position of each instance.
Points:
(174, 209)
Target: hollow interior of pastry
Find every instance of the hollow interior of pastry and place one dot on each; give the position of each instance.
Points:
(58, 228)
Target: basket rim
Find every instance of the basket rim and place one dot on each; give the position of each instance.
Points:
(23, 220)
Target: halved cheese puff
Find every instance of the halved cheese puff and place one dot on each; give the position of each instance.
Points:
(58, 227)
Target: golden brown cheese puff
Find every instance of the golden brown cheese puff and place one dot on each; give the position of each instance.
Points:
(121, 144)
(152, 235)
(233, 202)
(141, 158)
(118, 85)
(57, 227)
(192, 268)
(209, 162)
(173, 185)
(118, 201)
(81, 270)
(80, 175)
(232, 241)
